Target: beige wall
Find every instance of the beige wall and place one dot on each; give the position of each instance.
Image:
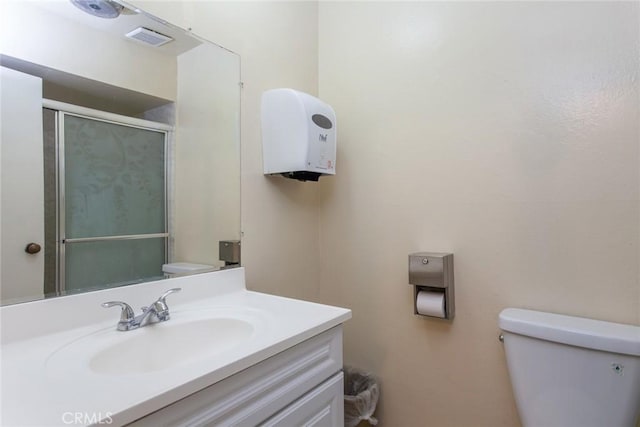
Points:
(506, 133)
(278, 46)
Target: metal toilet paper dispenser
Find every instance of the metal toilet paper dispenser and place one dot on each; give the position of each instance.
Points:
(433, 272)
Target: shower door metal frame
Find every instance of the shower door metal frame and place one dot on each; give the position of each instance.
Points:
(63, 109)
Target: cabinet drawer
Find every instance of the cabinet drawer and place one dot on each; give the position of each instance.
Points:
(321, 407)
(257, 393)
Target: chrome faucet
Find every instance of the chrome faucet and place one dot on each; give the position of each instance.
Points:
(156, 312)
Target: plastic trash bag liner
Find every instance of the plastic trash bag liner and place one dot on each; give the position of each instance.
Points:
(361, 392)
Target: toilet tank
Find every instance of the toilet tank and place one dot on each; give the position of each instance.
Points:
(568, 371)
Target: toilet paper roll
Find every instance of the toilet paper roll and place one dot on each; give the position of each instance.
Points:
(430, 303)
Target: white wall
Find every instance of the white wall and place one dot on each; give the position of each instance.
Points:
(207, 155)
(506, 133)
(277, 43)
(29, 31)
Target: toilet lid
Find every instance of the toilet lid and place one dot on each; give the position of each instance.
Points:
(578, 331)
(186, 267)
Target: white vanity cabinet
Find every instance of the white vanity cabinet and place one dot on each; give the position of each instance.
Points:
(302, 385)
(197, 369)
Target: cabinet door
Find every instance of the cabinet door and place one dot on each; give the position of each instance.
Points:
(321, 407)
(252, 396)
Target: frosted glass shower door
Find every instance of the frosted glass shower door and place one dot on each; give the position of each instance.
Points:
(113, 203)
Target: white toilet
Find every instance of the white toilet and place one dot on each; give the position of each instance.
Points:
(179, 269)
(572, 372)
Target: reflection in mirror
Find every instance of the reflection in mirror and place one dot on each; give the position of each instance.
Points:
(119, 159)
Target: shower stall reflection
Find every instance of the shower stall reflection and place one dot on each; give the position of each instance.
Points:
(108, 225)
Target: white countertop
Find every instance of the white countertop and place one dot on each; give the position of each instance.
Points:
(42, 388)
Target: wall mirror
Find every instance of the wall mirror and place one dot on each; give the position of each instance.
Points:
(120, 149)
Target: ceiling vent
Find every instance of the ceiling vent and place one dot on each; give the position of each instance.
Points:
(149, 37)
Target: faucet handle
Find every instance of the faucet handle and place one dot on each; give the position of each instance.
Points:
(126, 315)
(162, 309)
(167, 293)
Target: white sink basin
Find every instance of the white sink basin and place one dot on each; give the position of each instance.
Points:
(186, 338)
(166, 345)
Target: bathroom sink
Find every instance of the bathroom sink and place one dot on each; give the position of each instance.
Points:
(165, 345)
(187, 338)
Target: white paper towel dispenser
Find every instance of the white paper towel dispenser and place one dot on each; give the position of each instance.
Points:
(298, 135)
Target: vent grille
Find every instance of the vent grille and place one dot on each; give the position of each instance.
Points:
(149, 37)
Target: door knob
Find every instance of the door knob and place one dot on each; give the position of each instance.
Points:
(32, 248)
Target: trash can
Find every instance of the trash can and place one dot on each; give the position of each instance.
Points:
(361, 392)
